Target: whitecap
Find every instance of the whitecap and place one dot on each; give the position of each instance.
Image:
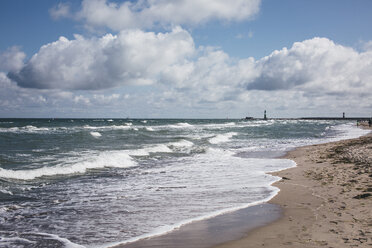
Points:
(180, 125)
(118, 159)
(95, 134)
(161, 148)
(6, 192)
(184, 124)
(15, 241)
(25, 129)
(221, 138)
(120, 127)
(181, 146)
(182, 143)
(67, 243)
(90, 127)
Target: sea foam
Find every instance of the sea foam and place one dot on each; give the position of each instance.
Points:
(95, 134)
(220, 138)
(119, 159)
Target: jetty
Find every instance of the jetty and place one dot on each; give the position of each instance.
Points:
(312, 118)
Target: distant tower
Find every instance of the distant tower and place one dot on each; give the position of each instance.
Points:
(343, 115)
(265, 115)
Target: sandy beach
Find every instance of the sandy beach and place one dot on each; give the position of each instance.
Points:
(326, 199)
(323, 202)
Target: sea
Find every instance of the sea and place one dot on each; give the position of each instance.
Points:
(101, 182)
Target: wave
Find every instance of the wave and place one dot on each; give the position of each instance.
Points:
(33, 240)
(95, 134)
(6, 192)
(111, 127)
(161, 148)
(348, 131)
(181, 146)
(180, 125)
(181, 143)
(221, 138)
(118, 159)
(25, 129)
(216, 156)
(218, 125)
(114, 159)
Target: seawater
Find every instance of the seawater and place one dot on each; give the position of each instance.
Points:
(98, 182)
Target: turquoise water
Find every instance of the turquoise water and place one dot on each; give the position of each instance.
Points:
(96, 182)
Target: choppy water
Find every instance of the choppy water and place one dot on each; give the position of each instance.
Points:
(96, 182)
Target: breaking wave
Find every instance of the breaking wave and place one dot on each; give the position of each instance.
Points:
(221, 138)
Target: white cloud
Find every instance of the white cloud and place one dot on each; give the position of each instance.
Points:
(12, 59)
(24, 102)
(62, 10)
(249, 35)
(149, 13)
(163, 75)
(367, 45)
(131, 57)
(316, 66)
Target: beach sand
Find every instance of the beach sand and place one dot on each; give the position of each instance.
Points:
(326, 199)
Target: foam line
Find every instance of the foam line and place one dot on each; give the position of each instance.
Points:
(169, 228)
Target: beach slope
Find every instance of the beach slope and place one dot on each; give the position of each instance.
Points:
(327, 199)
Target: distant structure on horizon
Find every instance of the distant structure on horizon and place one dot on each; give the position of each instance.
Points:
(265, 118)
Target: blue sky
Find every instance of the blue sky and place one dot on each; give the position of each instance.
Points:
(280, 23)
(200, 59)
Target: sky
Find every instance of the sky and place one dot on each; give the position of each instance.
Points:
(185, 58)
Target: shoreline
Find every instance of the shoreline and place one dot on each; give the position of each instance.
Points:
(290, 226)
(212, 231)
(326, 200)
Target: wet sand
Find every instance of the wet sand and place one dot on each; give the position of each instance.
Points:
(206, 233)
(326, 199)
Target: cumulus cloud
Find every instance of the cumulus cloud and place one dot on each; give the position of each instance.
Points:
(149, 13)
(16, 101)
(317, 66)
(318, 71)
(367, 45)
(212, 77)
(131, 57)
(62, 10)
(12, 59)
(167, 70)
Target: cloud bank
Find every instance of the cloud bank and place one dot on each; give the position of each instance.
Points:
(131, 57)
(135, 57)
(164, 74)
(317, 66)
